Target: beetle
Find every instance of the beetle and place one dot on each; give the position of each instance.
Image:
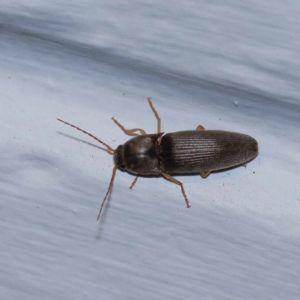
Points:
(188, 152)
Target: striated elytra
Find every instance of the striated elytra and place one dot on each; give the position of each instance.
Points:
(197, 151)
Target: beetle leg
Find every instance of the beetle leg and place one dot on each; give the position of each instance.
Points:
(204, 174)
(200, 128)
(108, 190)
(172, 179)
(129, 131)
(156, 115)
(134, 182)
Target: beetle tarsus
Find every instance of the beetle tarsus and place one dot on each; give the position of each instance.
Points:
(172, 179)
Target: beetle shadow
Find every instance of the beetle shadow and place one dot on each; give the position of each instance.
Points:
(103, 216)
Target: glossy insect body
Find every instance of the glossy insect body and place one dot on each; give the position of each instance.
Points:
(197, 151)
(185, 152)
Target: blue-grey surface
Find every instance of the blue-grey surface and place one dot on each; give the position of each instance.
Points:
(222, 64)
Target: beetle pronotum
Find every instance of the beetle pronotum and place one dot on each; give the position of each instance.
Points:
(197, 151)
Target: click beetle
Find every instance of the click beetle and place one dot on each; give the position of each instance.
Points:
(197, 151)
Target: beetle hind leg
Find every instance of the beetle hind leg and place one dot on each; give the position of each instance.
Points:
(129, 131)
(204, 174)
(172, 179)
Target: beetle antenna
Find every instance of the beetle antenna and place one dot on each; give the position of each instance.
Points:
(110, 149)
(108, 190)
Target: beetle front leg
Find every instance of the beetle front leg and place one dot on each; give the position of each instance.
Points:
(129, 131)
(172, 179)
(155, 114)
(134, 182)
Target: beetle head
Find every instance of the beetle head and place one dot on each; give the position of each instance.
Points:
(119, 157)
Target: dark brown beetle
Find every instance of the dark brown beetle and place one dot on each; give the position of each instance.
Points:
(197, 151)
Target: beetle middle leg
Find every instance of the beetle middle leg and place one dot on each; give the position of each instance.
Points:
(129, 131)
(200, 128)
(172, 179)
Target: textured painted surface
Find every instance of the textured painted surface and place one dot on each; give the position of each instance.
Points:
(225, 65)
